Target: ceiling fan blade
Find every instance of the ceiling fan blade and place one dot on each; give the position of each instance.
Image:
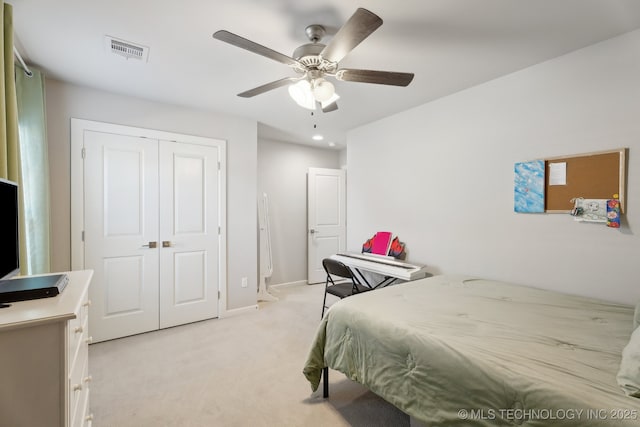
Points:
(254, 47)
(329, 108)
(267, 87)
(361, 24)
(371, 76)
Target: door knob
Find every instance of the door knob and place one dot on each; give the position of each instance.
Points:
(312, 231)
(151, 245)
(166, 244)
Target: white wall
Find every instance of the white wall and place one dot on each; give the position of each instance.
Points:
(65, 101)
(343, 158)
(441, 175)
(282, 174)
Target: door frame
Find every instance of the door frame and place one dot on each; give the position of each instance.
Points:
(79, 126)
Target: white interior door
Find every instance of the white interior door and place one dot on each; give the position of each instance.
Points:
(326, 211)
(189, 218)
(121, 226)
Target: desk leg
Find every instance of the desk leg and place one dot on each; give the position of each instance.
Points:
(356, 272)
(325, 382)
(386, 282)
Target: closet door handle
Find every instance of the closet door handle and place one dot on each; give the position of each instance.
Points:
(151, 245)
(166, 244)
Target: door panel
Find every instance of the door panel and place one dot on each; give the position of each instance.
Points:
(326, 194)
(189, 218)
(327, 209)
(123, 285)
(122, 191)
(189, 208)
(121, 199)
(324, 248)
(190, 272)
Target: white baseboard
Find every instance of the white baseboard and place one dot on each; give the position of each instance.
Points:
(238, 311)
(288, 284)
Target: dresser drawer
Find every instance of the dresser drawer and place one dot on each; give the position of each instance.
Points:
(79, 383)
(78, 359)
(78, 329)
(87, 419)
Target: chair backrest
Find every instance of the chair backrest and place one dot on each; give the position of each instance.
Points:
(336, 268)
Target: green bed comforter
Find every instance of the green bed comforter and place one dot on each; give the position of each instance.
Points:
(453, 350)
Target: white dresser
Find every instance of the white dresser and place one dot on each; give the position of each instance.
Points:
(44, 370)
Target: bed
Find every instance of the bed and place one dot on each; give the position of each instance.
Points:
(457, 350)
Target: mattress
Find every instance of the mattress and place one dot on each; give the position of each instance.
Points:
(458, 350)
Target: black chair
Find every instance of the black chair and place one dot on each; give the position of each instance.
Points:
(341, 289)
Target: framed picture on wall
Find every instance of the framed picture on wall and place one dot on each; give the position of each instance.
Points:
(529, 187)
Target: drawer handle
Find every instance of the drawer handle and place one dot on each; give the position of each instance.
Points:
(77, 387)
(78, 330)
(89, 340)
(88, 379)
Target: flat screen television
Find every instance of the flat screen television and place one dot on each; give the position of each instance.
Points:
(9, 247)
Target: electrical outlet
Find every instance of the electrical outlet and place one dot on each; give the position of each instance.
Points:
(245, 282)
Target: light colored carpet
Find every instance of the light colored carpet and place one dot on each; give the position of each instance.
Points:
(244, 370)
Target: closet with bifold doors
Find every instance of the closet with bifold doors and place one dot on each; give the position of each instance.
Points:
(148, 217)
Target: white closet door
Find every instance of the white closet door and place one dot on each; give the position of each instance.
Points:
(189, 219)
(121, 224)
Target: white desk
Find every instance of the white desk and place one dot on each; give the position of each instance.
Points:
(389, 267)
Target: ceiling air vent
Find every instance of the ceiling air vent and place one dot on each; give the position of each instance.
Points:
(126, 49)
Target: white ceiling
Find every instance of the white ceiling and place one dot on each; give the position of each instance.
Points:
(450, 45)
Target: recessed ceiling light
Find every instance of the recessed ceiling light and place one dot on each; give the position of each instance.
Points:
(317, 137)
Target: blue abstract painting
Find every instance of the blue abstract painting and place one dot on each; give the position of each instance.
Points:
(529, 187)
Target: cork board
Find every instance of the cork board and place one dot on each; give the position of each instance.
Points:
(597, 175)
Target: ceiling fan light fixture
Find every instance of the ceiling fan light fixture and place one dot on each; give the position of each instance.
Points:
(334, 98)
(314, 61)
(322, 89)
(302, 95)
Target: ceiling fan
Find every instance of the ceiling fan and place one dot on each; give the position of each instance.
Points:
(315, 61)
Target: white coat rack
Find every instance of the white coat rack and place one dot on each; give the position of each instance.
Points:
(266, 261)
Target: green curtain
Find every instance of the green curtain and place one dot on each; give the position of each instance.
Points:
(9, 147)
(23, 150)
(9, 164)
(35, 171)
